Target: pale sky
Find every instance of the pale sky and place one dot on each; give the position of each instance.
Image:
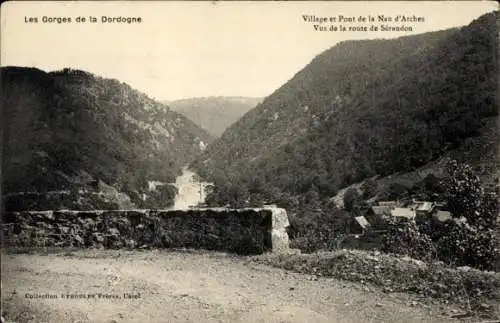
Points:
(194, 49)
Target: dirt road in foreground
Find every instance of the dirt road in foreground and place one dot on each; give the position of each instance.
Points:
(167, 286)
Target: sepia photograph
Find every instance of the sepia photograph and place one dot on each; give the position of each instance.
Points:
(249, 161)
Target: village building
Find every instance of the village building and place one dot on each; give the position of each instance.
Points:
(419, 211)
(425, 207)
(424, 211)
(403, 213)
(381, 210)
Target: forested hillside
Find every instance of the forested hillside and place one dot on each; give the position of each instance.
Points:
(214, 114)
(66, 129)
(359, 109)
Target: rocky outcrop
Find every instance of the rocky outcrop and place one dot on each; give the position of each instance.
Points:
(242, 231)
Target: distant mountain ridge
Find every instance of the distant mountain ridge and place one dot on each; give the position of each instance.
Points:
(67, 128)
(360, 109)
(214, 113)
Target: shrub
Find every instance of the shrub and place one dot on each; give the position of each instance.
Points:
(430, 188)
(233, 194)
(313, 240)
(433, 184)
(317, 228)
(351, 199)
(405, 238)
(465, 245)
(369, 188)
(466, 196)
(397, 190)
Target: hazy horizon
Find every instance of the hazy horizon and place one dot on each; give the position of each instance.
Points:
(187, 50)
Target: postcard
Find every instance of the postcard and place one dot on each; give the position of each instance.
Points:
(249, 161)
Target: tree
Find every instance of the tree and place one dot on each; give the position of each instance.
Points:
(466, 197)
(397, 191)
(369, 188)
(351, 199)
(233, 194)
(463, 244)
(475, 242)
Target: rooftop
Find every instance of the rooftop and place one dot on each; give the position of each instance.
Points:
(381, 210)
(361, 220)
(403, 212)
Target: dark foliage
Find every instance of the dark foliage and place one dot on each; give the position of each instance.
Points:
(466, 196)
(162, 197)
(318, 228)
(431, 188)
(369, 188)
(465, 245)
(404, 237)
(72, 200)
(396, 191)
(351, 199)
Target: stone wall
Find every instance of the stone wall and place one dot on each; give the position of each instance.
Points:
(242, 231)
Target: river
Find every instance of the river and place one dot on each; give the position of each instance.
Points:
(191, 191)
